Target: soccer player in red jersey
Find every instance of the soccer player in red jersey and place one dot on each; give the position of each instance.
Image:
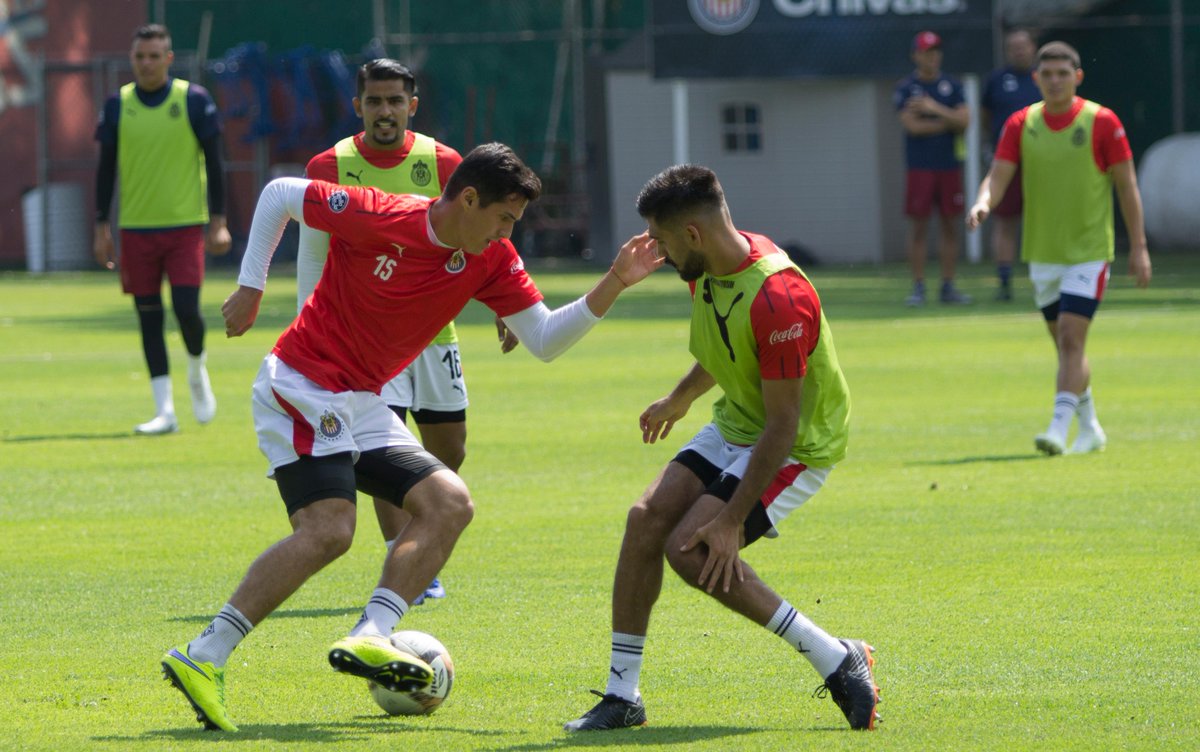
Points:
(1072, 153)
(400, 268)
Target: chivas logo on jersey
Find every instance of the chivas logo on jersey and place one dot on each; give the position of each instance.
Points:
(173, 111)
(421, 174)
(330, 425)
(338, 201)
(457, 262)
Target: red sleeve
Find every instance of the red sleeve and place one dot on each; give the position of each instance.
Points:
(508, 289)
(1110, 145)
(323, 167)
(1009, 146)
(353, 213)
(786, 319)
(448, 161)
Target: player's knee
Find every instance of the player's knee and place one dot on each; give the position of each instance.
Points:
(330, 539)
(445, 501)
(644, 528)
(686, 564)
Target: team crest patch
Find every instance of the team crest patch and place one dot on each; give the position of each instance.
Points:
(517, 267)
(1078, 137)
(421, 174)
(457, 262)
(174, 110)
(338, 201)
(723, 16)
(330, 425)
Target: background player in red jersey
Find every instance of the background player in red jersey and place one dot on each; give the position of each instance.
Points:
(399, 269)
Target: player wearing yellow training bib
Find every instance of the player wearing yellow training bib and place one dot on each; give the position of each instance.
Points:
(162, 136)
(779, 425)
(1072, 153)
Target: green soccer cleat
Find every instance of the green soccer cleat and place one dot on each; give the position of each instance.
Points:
(376, 659)
(203, 684)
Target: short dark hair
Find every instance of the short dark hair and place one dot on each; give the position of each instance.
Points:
(678, 190)
(496, 172)
(1058, 51)
(152, 31)
(386, 69)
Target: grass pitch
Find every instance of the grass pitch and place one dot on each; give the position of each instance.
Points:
(1016, 601)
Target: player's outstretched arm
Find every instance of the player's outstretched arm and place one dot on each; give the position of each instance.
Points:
(548, 334)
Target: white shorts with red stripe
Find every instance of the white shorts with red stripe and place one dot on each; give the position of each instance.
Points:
(294, 417)
(794, 483)
(1052, 281)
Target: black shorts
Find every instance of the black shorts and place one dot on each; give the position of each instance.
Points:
(722, 485)
(430, 417)
(387, 473)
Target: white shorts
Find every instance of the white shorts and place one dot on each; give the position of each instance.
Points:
(434, 381)
(294, 417)
(1051, 281)
(794, 483)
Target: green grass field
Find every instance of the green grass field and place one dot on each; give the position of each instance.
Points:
(1016, 601)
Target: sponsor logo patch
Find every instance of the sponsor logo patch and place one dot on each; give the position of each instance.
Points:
(795, 331)
(723, 17)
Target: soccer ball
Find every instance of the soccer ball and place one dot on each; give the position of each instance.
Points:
(423, 701)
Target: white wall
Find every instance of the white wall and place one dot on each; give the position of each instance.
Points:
(817, 181)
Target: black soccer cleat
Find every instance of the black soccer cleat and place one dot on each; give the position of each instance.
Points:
(611, 712)
(852, 686)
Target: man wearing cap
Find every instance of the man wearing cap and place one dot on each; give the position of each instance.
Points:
(934, 115)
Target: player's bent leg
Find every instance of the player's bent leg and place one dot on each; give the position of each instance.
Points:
(202, 684)
(446, 441)
(441, 509)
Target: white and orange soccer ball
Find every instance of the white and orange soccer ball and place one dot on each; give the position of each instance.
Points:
(424, 701)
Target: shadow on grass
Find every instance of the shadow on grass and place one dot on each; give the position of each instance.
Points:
(983, 458)
(363, 728)
(649, 736)
(67, 437)
(302, 613)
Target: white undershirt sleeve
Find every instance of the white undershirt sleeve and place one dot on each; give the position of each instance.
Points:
(548, 334)
(283, 198)
(310, 261)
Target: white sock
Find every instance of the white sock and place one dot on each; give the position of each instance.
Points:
(1064, 410)
(219, 638)
(1086, 411)
(625, 667)
(196, 365)
(164, 401)
(824, 652)
(381, 615)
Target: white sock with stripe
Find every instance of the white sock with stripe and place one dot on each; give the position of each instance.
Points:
(1086, 410)
(824, 652)
(625, 667)
(218, 640)
(381, 614)
(1064, 410)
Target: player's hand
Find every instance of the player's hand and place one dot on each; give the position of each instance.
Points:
(102, 246)
(240, 310)
(637, 259)
(977, 215)
(219, 240)
(657, 420)
(508, 338)
(1139, 266)
(723, 539)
